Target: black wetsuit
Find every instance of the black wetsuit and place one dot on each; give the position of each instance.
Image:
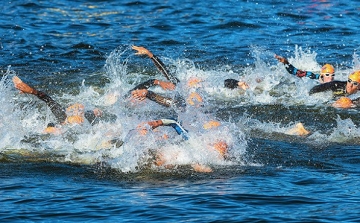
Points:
(162, 68)
(337, 87)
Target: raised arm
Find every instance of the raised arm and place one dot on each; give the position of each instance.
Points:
(294, 71)
(55, 107)
(158, 63)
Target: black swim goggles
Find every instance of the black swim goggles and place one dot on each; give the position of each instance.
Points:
(328, 74)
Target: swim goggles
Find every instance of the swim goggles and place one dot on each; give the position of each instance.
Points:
(353, 82)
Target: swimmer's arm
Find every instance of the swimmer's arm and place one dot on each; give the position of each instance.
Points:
(153, 82)
(162, 68)
(146, 84)
(300, 73)
(159, 99)
(294, 71)
(56, 108)
(337, 87)
(158, 63)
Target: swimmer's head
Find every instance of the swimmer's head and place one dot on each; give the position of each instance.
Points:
(327, 73)
(194, 99)
(52, 129)
(343, 102)
(355, 76)
(194, 82)
(211, 124)
(75, 109)
(221, 147)
(353, 83)
(75, 114)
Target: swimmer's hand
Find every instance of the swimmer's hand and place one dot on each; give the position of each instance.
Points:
(139, 94)
(281, 59)
(165, 85)
(23, 87)
(142, 51)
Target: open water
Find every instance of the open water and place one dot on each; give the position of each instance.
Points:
(80, 51)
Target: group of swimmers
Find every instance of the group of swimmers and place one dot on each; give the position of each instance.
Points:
(76, 113)
(341, 89)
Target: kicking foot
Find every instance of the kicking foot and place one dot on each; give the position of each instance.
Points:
(24, 88)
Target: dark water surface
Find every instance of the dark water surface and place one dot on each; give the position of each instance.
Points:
(80, 50)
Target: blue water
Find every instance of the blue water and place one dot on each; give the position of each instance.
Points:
(81, 51)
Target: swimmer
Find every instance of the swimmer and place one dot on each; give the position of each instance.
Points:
(141, 92)
(163, 158)
(326, 75)
(74, 114)
(234, 84)
(341, 88)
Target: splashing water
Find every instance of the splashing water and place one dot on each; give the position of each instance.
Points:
(270, 85)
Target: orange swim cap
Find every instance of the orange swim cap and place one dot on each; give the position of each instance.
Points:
(221, 147)
(355, 76)
(192, 96)
(327, 69)
(343, 102)
(75, 119)
(52, 130)
(75, 109)
(193, 82)
(211, 124)
(75, 114)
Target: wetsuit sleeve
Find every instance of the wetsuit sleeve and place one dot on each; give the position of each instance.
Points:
(159, 99)
(231, 83)
(180, 130)
(162, 68)
(55, 107)
(300, 73)
(145, 85)
(337, 87)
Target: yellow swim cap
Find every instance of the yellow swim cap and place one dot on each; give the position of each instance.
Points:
(327, 69)
(355, 76)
